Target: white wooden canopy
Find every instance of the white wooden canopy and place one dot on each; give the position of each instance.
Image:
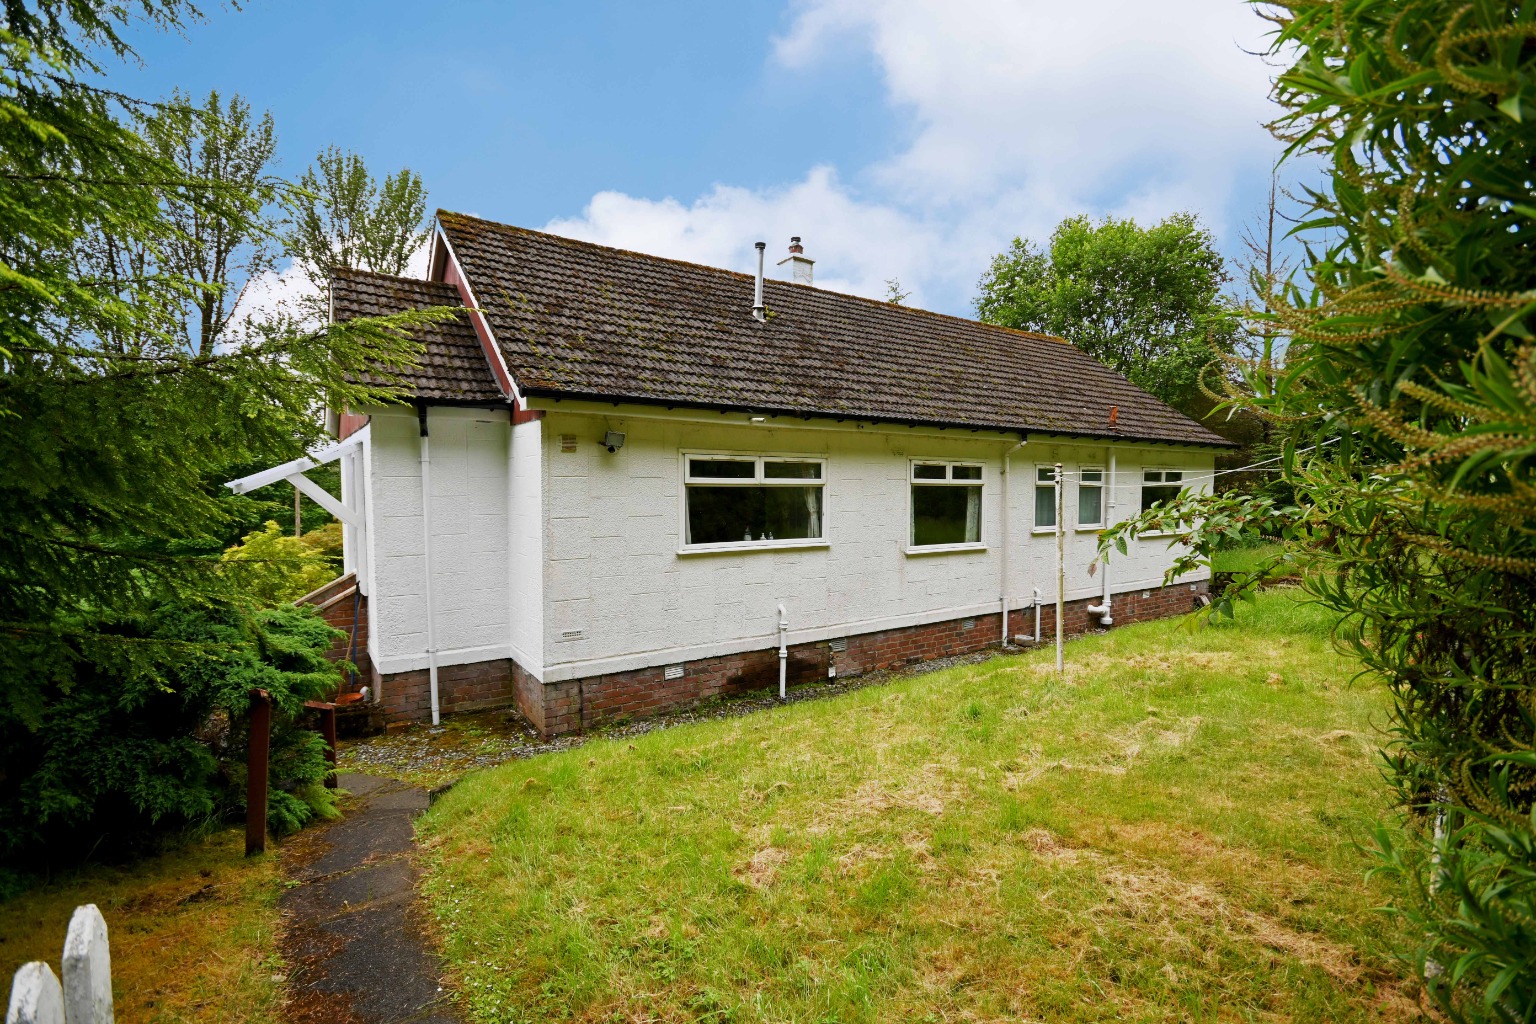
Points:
(294, 471)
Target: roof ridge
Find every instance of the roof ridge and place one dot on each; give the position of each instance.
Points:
(583, 243)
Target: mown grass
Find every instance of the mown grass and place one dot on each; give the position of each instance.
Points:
(192, 932)
(1169, 832)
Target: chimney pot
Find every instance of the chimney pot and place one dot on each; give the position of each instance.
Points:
(799, 264)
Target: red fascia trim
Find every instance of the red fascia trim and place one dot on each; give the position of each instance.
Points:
(454, 276)
(349, 424)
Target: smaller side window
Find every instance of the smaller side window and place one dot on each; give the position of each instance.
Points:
(1160, 485)
(1045, 498)
(1090, 497)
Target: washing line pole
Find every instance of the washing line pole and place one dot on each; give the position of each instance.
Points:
(1061, 568)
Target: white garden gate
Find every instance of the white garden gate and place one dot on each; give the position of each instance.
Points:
(85, 997)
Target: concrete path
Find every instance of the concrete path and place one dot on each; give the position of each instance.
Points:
(355, 938)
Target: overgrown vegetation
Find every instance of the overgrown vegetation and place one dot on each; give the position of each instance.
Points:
(1167, 832)
(1407, 398)
(193, 932)
(124, 403)
(114, 755)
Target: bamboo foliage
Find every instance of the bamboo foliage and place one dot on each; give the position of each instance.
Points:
(1402, 369)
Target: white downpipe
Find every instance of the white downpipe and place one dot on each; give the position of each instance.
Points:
(1061, 570)
(1104, 608)
(1007, 539)
(783, 653)
(1037, 614)
(426, 563)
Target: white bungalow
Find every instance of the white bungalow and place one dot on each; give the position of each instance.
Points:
(646, 478)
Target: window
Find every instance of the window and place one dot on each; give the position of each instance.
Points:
(1045, 497)
(946, 504)
(1160, 485)
(1090, 497)
(744, 499)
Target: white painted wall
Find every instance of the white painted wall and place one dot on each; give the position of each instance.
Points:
(570, 561)
(470, 479)
(525, 563)
(620, 596)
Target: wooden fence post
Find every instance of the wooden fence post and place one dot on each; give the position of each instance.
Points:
(256, 773)
(36, 997)
(87, 969)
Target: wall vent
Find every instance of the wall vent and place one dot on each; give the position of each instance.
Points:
(967, 623)
(572, 634)
(839, 645)
(673, 672)
(567, 442)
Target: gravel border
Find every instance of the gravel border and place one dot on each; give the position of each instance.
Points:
(417, 752)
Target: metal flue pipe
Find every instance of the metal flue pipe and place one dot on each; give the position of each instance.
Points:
(759, 311)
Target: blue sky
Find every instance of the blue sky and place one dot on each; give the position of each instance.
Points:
(905, 138)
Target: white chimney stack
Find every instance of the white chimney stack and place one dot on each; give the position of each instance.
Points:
(799, 263)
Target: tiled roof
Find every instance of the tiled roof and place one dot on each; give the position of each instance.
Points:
(575, 319)
(453, 368)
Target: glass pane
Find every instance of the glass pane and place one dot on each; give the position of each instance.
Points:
(792, 470)
(723, 515)
(1153, 476)
(921, 472)
(965, 472)
(1173, 475)
(1045, 507)
(723, 469)
(946, 515)
(1092, 476)
(1090, 506)
(1151, 495)
(1045, 475)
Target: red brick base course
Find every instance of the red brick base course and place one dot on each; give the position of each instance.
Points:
(574, 705)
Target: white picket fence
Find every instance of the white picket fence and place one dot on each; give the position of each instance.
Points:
(85, 997)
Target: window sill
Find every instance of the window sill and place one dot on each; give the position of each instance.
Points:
(944, 549)
(1044, 530)
(746, 547)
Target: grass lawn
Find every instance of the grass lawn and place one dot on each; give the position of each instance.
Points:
(1243, 559)
(1166, 833)
(192, 932)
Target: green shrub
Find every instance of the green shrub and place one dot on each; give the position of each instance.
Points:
(275, 569)
(1407, 395)
(110, 758)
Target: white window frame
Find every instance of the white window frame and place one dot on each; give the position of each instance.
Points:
(1103, 492)
(1183, 482)
(980, 483)
(756, 480)
(1035, 485)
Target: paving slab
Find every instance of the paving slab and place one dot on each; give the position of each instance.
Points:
(354, 933)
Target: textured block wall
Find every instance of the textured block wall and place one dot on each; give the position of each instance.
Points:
(621, 594)
(470, 541)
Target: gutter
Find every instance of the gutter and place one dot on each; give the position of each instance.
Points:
(426, 559)
(558, 395)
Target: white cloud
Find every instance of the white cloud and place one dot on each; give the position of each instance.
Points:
(1023, 113)
(857, 244)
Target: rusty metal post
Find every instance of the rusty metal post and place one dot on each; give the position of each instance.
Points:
(256, 773)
